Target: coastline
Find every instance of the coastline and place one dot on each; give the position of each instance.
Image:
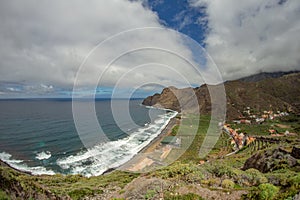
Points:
(148, 149)
(5, 164)
(142, 158)
(155, 142)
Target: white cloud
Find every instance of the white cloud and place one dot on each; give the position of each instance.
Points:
(246, 37)
(13, 89)
(44, 42)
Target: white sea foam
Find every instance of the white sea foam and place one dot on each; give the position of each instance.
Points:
(43, 155)
(98, 159)
(20, 165)
(153, 107)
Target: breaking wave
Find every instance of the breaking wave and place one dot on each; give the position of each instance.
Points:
(20, 165)
(43, 155)
(98, 159)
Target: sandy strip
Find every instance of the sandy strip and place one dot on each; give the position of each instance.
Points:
(166, 150)
(143, 158)
(141, 164)
(156, 141)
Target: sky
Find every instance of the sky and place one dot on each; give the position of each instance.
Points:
(136, 48)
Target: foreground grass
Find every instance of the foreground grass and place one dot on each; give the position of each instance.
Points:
(74, 186)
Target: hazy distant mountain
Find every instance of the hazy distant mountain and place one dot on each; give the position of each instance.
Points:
(265, 75)
(281, 93)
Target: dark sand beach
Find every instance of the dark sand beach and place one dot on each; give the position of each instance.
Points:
(145, 157)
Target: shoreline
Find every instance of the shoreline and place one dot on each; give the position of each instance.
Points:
(5, 164)
(150, 148)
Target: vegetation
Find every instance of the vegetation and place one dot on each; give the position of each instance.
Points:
(216, 172)
(175, 130)
(4, 196)
(227, 183)
(75, 186)
(189, 196)
(264, 191)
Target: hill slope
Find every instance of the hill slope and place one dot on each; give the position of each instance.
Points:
(277, 94)
(265, 75)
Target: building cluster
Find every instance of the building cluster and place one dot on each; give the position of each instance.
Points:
(249, 117)
(239, 140)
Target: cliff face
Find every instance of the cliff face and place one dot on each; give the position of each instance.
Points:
(277, 94)
(181, 99)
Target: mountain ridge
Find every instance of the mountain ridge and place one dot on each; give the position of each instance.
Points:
(264, 75)
(281, 93)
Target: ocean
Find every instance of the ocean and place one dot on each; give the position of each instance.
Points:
(39, 135)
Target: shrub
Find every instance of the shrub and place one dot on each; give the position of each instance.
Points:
(3, 195)
(177, 170)
(175, 130)
(150, 194)
(80, 193)
(267, 191)
(220, 170)
(295, 181)
(227, 183)
(213, 182)
(194, 177)
(255, 177)
(189, 196)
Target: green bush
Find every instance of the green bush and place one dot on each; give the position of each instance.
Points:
(194, 177)
(177, 170)
(175, 130)
(227, 183)
(221, 170)
(295, 181)
(3, 195)
(255, 177)
(189, 196)
(150, 194)
(213, 182)
(267, 191)
(80, 193)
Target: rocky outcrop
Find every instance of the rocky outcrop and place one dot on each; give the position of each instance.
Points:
(270, 160)
(277, 94)
(296, 152)
(189, 100)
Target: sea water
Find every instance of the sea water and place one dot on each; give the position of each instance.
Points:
(39, 136)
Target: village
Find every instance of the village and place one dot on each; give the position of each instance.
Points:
(242, 139)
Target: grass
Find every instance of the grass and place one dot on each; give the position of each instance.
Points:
(75, 186)
(192, 143)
